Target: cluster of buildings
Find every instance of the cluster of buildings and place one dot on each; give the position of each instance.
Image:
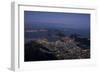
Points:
(65, 48)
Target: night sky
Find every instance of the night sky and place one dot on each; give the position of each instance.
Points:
(70, 20)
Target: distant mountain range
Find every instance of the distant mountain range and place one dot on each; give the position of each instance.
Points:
(52, 25)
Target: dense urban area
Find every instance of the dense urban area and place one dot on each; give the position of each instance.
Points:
(66, 47)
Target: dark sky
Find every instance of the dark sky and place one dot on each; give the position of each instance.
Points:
(71, 20)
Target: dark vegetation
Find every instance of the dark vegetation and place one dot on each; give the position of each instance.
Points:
(33, 52)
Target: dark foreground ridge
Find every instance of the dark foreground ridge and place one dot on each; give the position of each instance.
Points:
(65, 48)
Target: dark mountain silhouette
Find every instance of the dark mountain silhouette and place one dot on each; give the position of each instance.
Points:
(33, 52)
